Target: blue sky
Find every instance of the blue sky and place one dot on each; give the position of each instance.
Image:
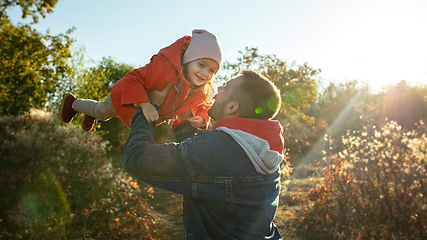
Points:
(383, 41)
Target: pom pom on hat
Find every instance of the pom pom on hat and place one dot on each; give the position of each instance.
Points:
(203, 45)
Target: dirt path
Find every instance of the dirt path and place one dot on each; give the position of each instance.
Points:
(173, 228)
(167, 210)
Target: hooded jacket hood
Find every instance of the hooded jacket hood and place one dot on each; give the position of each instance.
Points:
(170, 51)
(261, 140)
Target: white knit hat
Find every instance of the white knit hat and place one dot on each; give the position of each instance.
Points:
(203, 45)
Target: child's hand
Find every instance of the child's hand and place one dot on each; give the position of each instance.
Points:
(158, 97)
(196, 121)
(149, 112)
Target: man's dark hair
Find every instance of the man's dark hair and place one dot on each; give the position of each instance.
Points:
(257, 96)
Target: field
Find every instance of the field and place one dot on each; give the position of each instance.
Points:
(375, 192)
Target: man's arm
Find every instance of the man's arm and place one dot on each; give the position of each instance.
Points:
(183, 131)
(161, 165)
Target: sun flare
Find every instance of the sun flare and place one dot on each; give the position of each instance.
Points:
(378, 41)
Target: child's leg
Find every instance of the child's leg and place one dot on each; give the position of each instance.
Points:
(100, 110)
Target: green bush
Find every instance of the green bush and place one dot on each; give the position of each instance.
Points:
(375, 188)
(56, 183)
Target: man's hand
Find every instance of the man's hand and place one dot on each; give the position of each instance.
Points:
(149, 111)
(158, 97)
(196, 121)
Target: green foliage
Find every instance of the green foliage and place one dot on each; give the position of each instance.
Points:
(31, 63)
(70, 81)
(56, 183)
(375, 188)
(29, 7)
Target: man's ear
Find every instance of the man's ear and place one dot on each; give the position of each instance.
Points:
(232, 108)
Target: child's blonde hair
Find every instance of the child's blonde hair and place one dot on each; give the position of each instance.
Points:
(207, 88)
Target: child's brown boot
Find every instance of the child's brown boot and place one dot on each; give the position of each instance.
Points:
(88, 122)
(67, 112)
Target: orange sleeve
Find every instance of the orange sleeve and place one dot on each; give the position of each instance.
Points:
(202, 111)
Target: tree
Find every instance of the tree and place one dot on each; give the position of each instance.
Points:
(402, 103)
(340, 105)
(31, 63)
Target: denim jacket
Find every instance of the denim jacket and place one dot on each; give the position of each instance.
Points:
(224, 196)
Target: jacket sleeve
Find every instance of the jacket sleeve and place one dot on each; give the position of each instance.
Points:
(161, 165)
(202, 110)
(183, 131)
(137, 82)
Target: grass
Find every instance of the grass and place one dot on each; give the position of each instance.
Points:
(290, 198)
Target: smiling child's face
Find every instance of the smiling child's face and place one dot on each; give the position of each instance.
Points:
(201, 71)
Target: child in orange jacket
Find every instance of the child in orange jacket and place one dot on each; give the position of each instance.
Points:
(183, 72)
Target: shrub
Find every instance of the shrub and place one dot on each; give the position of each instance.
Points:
(376, 188)
(56, 183)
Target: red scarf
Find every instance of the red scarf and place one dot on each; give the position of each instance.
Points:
(269, 130)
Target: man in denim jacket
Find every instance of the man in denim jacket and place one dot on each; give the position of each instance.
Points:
(229, 175)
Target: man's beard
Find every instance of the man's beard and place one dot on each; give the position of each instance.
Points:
(216, 110)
